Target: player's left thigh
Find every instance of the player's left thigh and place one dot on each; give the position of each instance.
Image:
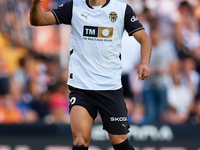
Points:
(117, 139)
(113, 111)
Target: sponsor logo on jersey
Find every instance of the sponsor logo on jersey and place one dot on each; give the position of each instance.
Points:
(85, 16)
(113, 16)
(118, 119)
(101, 32)
(134, 18)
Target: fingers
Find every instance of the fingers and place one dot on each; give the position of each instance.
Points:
(143, 72)
(139, 73)
(144, 75)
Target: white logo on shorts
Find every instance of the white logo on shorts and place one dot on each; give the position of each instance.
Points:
(72, 100)
(118, 119)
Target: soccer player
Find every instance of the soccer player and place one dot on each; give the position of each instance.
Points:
(95, 64)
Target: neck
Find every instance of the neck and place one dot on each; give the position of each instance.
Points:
(97, 2)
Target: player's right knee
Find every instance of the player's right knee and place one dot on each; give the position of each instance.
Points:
(81, 147)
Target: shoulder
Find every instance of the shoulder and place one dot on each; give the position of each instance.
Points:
(79, 2)
(129, 9)
(118, 2)
(67, 4)
(63, 13)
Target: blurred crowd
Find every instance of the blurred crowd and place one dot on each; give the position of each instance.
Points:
(33, 84)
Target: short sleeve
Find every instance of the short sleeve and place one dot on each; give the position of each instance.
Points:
(131, 22)
(63, 13)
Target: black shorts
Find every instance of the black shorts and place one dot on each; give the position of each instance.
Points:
(110, 105)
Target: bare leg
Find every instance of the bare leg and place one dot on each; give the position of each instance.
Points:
(81, 125)
(117, 139)
(120, 142)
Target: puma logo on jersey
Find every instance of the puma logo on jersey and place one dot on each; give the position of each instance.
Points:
(85, 16)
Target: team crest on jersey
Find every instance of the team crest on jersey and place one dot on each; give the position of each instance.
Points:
(113, 16)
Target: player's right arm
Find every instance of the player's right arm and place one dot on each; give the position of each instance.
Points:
(38, 18)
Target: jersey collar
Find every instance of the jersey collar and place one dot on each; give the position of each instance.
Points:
(87, 2)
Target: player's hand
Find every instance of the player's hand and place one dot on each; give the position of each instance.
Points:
(143, 71)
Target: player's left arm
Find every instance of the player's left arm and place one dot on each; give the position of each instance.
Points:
(143, 39)
(135, 28)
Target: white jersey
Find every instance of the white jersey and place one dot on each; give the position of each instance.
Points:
(95, 44)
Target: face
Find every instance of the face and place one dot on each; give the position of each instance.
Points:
(189, 65)
(175, 67)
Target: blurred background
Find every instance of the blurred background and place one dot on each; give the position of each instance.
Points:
(34, 68)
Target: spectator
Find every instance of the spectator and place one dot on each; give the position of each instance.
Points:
(58, 106)
(179, 95)
(136, 112)
(52, 73)
(189, 74)
(9, 113)
(155, 90)
(58, 110)
(186, 30)
(23, 74)
(4, 79)
(195, 117)
(22, 103)
(197, 13)
(196, 57)
(171, 116)
(41, 105)
(138, 115)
